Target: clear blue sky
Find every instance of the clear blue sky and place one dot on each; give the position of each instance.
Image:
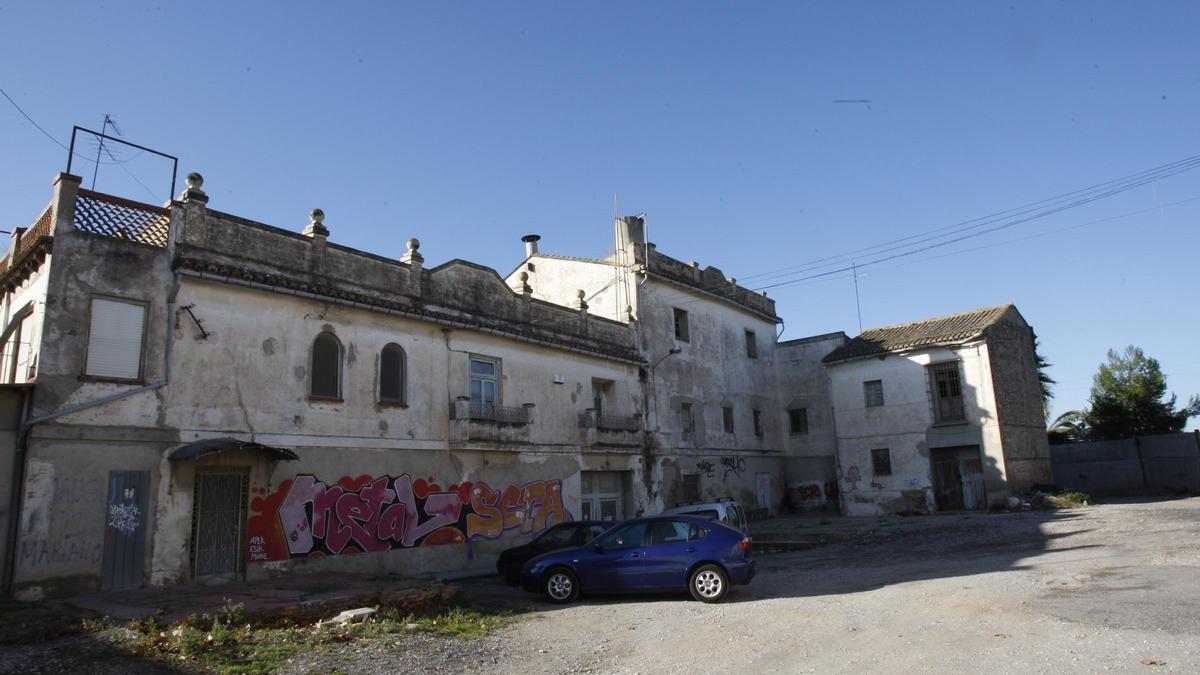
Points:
(469, 125)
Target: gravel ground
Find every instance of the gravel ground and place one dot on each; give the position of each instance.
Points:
(1111, 587)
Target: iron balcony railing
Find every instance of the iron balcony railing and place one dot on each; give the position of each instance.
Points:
(487, 412)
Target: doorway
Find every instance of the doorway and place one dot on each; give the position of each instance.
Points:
(958, 478)
(125, 530)
(219, 525)
(602, 496)
(762, 484)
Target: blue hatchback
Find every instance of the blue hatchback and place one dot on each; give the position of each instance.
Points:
(662, 553)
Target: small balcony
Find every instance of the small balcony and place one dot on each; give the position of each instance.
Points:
(610, 430)
(475, 421)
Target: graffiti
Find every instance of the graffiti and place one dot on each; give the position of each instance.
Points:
(40, 552)
(258, 550)
(705, 467)
(124, 518)
(852, 477)
(809, 492)
(735, 465)
(306, 517)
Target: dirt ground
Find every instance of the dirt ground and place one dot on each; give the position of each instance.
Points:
(1113, 587)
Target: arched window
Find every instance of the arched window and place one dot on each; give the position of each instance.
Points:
(392, 375)
(326, 367)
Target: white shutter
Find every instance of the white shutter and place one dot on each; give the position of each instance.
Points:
(115, 340)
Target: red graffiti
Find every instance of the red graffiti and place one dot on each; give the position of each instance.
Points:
(306, 517)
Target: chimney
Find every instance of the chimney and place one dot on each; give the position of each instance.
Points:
(531, 241)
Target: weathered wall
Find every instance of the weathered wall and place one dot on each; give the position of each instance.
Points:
(905, 425)
(1130, 466)
(11, 400)
(711, 370)
(1019, 402)
(803, 382)
(558, 279)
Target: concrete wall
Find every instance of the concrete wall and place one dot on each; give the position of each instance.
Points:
(11, 400)
(1019, 409)
(905, 425)
(1169, 462)
(558, 280)
(803, 382)
(711, 371)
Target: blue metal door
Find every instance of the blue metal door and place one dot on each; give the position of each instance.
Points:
(125, 529)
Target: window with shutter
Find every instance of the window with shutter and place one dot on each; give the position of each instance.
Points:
(326, 375)
(115, 339)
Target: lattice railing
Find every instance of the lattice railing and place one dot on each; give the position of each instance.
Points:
(118, 218)
(619, 422)
(494, 413)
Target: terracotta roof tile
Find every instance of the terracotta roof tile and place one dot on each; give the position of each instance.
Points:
(948, 329)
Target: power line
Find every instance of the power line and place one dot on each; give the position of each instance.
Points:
(1037, 235)
(44, 132)
(1132, 180)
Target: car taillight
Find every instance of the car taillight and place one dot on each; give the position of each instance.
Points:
(725, 519)
(744, 543)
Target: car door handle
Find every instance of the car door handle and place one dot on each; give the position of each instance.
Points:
(690, 549)
(634, 555)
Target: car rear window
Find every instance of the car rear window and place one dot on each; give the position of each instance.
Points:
(711, 514)
(669, 532)
(696, 533)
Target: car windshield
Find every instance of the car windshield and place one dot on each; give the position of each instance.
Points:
(559, 535)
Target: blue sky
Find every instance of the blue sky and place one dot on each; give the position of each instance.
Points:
(468, 125)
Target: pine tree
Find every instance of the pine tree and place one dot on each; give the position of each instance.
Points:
(1128, 398)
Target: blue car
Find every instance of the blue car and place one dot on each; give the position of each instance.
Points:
(662, 553)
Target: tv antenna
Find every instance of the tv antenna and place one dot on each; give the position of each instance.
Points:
(857, 302)
(108, 122)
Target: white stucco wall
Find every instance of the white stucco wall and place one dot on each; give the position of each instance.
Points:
(905, 425)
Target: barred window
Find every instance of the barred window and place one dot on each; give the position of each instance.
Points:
(881, 461)
(873, 393)
(946, 386)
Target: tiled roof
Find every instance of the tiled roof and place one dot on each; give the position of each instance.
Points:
(948, 329)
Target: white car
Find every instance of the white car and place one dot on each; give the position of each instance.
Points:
(728, 512)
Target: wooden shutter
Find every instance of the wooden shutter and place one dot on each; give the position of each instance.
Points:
(115, 339)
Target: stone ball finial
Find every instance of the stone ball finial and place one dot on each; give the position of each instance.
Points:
(317, 215)
(194, 181)
(580, 294)
(523, 276)
(414, 244)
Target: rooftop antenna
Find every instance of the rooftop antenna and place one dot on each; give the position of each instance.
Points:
(857, 302)
(108, 121)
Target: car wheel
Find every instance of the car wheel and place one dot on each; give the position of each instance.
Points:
(560, 586)
(708, 583)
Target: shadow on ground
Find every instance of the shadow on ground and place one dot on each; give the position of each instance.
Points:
(891, 551)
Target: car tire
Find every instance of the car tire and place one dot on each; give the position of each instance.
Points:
(560, 585)
(708, 583)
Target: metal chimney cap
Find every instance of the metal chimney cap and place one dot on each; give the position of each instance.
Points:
(530, 238)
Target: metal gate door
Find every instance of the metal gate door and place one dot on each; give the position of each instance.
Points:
(125, 530)
(219, 518)
(602, 497)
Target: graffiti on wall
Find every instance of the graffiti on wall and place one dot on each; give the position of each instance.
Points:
(705, 467)
(306, 517)
(733, 464)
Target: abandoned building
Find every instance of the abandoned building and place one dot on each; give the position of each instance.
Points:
(188, 396)
(941, 414)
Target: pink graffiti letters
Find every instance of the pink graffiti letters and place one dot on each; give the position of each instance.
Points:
(365, 514)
